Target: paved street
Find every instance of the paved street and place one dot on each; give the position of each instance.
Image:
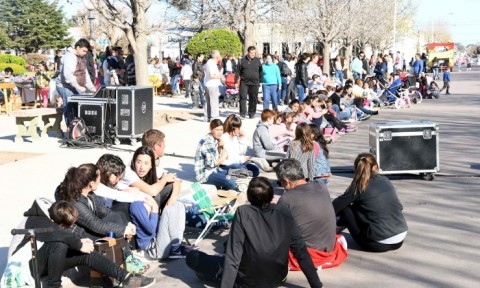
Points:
(441, 248)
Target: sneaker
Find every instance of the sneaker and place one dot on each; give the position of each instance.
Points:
(342, 132)
(350, 129)
(262, 163)
(178, 253)
(374, 112)
(143, 256)
(134, 265)
(364, 117)
(134, 281)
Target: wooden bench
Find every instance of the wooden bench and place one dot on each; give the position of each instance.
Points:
(47, 119)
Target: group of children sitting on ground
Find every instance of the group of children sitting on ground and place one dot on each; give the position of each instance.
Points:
(140, 202)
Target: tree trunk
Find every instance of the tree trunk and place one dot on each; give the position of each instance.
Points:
(138, 39)
(327, 46)
(348, 56)
(249, 32)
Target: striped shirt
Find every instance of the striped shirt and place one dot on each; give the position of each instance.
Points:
(306, 159)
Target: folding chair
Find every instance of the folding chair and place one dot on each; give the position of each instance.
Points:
(214, 211)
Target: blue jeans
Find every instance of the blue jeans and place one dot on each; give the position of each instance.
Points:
(339, 75)
(175, 83)
(249, 166)
(66, 92)
(283, 93)
(345, 114)
(202, 93)
(301, 92)
(357, 75)
(220, 180)
(435, 73)
(270, 92)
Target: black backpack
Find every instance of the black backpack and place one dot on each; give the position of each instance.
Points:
(284, 70)
(77, 130)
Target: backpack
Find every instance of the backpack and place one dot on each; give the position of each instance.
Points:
(285, 71)
(77, 130)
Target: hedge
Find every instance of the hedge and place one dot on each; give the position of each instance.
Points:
(7, 58)
(214, 39)
(17, 69)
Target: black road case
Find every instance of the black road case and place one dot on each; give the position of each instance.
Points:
(98, 114)
(406, 147)
(134, 111)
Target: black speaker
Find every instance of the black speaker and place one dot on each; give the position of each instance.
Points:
(134, 113)
(99, 116)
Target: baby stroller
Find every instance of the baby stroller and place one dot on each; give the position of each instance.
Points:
(231, 98)
(389, 95)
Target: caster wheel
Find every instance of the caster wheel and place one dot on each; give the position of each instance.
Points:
(428, 176)
(133, 142)
(116, 141)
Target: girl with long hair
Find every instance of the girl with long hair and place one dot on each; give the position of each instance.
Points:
(321, 153)
(235, 143)
(93, 216)
(301, 148)
(370, 208)
(158, 237)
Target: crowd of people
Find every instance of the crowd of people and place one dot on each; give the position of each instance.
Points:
(140, 202)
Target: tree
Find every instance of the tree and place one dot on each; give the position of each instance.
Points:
(131, 17)
(33, 24)
(214, 39)
(237, 15)
(4, 41)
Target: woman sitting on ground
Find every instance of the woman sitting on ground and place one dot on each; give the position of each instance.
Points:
(93, 216)
(161, 188)
(209, 156)
(370, 208)
(166, 241)
(234, 142)
(320, 150)
(301, 148)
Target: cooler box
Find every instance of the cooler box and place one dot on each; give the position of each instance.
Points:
(406, 147)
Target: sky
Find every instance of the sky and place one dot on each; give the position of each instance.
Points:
(462, 17)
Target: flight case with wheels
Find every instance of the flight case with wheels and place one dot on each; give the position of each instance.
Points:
(406, 147)
(134, 112)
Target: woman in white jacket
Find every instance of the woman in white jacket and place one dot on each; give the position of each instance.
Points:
(234, 141)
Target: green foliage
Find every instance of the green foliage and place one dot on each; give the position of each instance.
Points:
(214, 39)
(17, 69)
(33, 24)
(6, 58)
(4, 41)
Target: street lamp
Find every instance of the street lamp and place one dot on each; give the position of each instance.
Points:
(88, 4)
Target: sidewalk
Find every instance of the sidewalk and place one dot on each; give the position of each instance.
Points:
(442, 215)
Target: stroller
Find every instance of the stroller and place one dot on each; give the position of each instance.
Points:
(389, 95)
(232, 97)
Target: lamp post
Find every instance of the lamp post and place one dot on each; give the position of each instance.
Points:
(90, 9)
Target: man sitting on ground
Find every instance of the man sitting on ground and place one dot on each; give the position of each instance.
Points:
(310, 205)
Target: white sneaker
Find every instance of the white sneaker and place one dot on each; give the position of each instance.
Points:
(143, 256)
(262, 163)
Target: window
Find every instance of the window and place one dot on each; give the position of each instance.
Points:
(285, 50)
(266, 48)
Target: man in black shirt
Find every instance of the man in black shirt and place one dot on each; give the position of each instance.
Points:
(258, 246)
(249, 70)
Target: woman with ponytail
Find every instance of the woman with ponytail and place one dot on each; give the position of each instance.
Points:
(370, 208)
